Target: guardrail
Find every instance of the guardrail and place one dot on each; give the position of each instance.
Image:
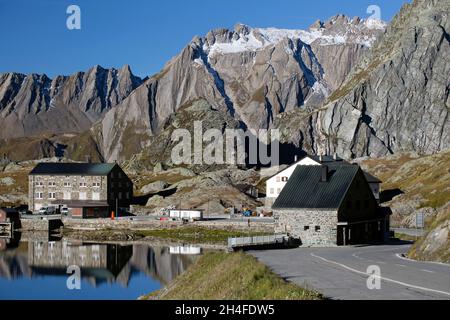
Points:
(256, 240)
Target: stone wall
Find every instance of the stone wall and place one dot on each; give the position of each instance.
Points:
(302, 224)
(102, 224)
(40, 224)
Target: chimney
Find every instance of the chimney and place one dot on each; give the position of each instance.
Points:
(295, 158)
(324, 174)
(335, 157)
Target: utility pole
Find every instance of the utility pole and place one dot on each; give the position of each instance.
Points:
(117, 207)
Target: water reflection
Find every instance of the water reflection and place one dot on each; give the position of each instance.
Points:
(113, 264)
(98, 262)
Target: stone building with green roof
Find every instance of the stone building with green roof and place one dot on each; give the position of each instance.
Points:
(330, 205)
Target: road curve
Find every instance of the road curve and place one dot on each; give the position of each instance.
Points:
(341, 272)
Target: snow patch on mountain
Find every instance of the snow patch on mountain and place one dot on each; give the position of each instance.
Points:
(338, 30)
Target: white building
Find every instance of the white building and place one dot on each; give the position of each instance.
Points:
(276, 183)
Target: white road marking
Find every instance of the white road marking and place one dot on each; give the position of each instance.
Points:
(358, 257)
(400, 265)
(382, 278)
(425, 270)
(399, 255)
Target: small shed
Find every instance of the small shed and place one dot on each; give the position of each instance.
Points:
(10, 216)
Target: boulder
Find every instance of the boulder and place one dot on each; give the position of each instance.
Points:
(154, 187)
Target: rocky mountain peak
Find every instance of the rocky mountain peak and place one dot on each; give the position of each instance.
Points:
(32, 104)
(396, 99)
(337, 30)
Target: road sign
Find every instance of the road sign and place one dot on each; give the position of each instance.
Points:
(419, 220)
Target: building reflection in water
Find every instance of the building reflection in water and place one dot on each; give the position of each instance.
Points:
(99, 263)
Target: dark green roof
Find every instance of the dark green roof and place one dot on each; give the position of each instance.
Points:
(305, 189)
(62, 168)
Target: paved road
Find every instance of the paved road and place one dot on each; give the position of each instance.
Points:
(340, 273)
(410, 232)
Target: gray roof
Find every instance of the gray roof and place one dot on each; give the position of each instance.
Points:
(62, 168)
(305, 190)
(370, 178)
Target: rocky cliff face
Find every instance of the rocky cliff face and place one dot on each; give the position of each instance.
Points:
(33, 104)
(251, 74)
(396, 99)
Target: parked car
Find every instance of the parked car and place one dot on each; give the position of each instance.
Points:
(24, 212)
(47, 210)
(65, 211)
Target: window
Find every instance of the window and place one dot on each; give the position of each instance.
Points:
(284, 179)
(39, 184)
(82, 196)
(67, 184)
(278, 179)
(52, 195)
(39, 195)
(83, 184)
(317, 228)
(96, 196)
(96, 184)
(278, 190)
(272, 190)
(52, 184)
(306, 228)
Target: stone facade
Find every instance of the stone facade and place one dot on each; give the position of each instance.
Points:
(45, 189)
(312, 227)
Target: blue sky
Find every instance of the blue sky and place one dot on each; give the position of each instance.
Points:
(143, 33)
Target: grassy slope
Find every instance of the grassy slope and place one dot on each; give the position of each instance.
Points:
(427, 177)
(20, 186)
(429, 248)
(235, 276)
